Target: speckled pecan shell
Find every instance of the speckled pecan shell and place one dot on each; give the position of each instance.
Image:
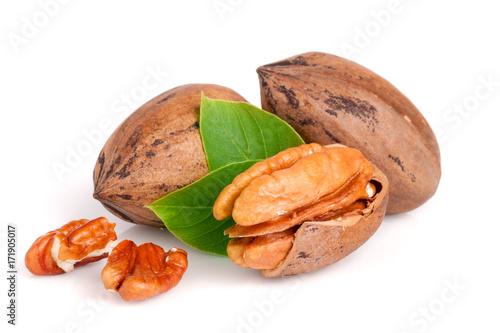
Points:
(345, 199)
(155, 151)
(319, 244)
(328, 99)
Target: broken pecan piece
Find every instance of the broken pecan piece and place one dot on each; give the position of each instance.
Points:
(302, 209)
(76, 243)
(140, 272)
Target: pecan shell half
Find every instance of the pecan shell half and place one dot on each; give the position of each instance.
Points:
(302, 209)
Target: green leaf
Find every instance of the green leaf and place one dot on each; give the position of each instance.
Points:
(236, 131)
(187, 212)
(235, 136)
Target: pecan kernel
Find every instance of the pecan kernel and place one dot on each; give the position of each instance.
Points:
(334, 184)
(140, 272)
(75, 244)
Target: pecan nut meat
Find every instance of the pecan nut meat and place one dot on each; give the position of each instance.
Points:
(75, 244)
(140, 272)
(302, 209)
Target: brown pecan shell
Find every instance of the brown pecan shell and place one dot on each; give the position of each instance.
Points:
(155, 151)
(329, 99)
(345, 201)
(321, 243)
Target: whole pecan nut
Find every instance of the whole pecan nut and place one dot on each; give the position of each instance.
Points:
(155, 151)
(76, 243)
(329, 99)
(140, 272)
(302, 209)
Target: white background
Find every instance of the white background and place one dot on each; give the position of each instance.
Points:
(67, 69)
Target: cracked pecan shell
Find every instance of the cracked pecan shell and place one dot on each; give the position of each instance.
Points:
(329, 99)
(302, 209)
(155, 151)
